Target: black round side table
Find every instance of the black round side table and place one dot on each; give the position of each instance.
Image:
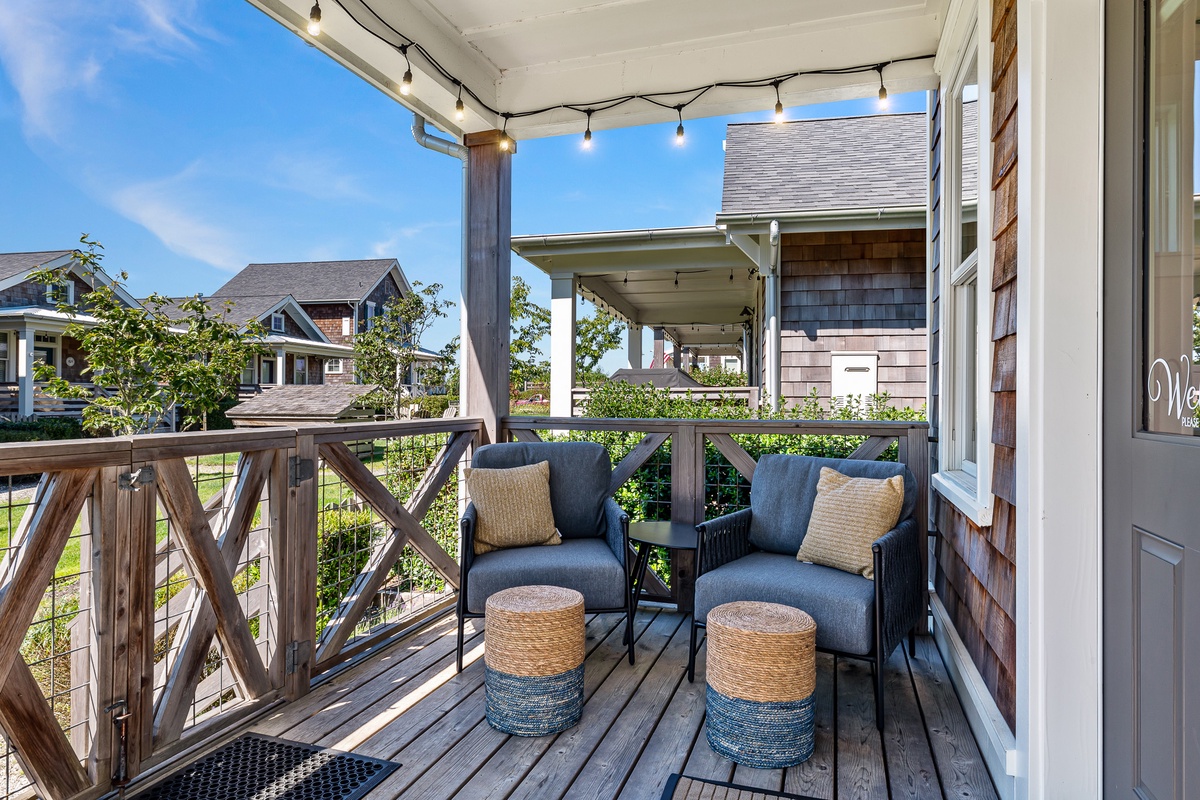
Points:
(647, 535)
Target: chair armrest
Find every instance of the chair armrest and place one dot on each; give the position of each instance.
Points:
(899, 594)
(616, 529)
(722, 540)
(466, 544)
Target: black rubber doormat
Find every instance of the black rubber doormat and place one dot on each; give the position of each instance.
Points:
(254, 767)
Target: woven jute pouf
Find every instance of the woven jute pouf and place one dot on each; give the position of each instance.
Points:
(533, 660)
(761, 670)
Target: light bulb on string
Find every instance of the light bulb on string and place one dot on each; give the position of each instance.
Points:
(406, 81)
(679, 134)
(778, 104)
(587, 134)
(460, 111)
(883, 95)
(314, 20)
(506, 142)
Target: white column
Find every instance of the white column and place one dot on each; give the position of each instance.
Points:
(280, 363)
(25, 371)
(1060, 90)
(562, 345)
(633, 345)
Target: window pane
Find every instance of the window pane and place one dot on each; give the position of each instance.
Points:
(969, 191)
(1171, 280)
(968, 417)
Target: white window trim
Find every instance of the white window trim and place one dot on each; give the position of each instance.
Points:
(346, 326)
(329, 370)
(971, 494)
(370, 314)
(278, 315)
(68, 285)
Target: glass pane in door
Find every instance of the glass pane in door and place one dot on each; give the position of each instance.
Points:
(1171, 281)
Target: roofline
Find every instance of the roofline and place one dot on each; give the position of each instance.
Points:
(774, 124)
(825, 219)
(636, 235)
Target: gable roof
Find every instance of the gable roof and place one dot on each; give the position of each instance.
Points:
(17, 263)
(312, 281)
(317, 402)
(823, 164)
(245, 310)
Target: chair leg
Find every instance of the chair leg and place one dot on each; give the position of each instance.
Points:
(458, 662)
(692, 654)
(879, 690)
(629, 627)
(912, 642)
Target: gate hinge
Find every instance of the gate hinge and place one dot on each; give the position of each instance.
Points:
(133, 481)
(297, 654)
(299, 470)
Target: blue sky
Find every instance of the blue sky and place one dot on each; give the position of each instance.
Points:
(192, 137)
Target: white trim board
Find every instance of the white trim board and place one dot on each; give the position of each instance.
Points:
(996, 741)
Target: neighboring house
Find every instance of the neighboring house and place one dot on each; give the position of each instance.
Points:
(31, 329)
(835, 304)
(341, 298)
(300, 353)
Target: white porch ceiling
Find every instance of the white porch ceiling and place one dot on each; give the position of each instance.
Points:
(634, 274)
(527, 54)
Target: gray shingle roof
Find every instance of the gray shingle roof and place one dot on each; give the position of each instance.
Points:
(308, 281)
(317, 402)
(820, 164)
(15, 263)
(245, 309)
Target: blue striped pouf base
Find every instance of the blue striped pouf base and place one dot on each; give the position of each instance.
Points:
(762, 735)
(533, 706)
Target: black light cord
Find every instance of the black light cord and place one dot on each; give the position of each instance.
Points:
(665, 99)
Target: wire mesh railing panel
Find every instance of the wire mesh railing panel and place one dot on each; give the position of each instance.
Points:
(350, 532)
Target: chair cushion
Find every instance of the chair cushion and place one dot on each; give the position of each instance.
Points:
(579, 477)
(586, 565)
(848, 515)
(842, 604)
(784, 488)
(513, 507)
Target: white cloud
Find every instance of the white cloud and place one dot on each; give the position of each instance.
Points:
(53, 51)
(160, 207)
(387, 248)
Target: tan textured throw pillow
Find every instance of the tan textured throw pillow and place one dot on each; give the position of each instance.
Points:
(848, 515)
(512, 507)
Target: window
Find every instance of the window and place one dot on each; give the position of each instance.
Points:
(277, 323)
(61, 293)
(300, 371)
(266, 371)
(333, 366)
(370, 315)
(964, 429)
(4, 355)
(247, 378)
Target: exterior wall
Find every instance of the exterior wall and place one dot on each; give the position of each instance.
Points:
(386, 290)
(976, 567)
(30, 293)
(854, 291)
(328, 317)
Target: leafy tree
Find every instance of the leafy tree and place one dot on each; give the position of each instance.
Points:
(444, 371)
(530, 324)
(597, 335)
(719, 376)
(385, 353)
(142, 363)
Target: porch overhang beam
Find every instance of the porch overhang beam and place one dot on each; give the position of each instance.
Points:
(747, 225)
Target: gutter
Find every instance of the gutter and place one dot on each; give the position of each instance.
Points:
(760, 220)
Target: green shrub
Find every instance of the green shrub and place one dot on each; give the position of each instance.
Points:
(434, 405)
(40, 429)
(719, 376)
(344, 539)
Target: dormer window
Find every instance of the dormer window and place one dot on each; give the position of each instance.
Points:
(277, 325)
(61, 293)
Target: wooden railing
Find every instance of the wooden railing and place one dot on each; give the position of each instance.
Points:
(191, 580)
(692, 470)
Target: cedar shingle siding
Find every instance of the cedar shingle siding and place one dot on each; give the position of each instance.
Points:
(854, 291)
(976, 567)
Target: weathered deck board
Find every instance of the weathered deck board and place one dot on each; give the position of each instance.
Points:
(640, 725)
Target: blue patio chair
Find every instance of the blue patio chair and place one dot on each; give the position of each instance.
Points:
(595, 533)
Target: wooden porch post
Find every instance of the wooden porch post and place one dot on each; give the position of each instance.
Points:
(659, 360)
(487, 282)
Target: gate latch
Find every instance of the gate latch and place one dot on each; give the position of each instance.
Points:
(134, 481)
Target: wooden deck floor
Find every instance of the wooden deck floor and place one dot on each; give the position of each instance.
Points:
(640, 724)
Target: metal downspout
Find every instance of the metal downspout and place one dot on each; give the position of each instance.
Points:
(774, 368)
(452, 148)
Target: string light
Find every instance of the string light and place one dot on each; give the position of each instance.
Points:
(659, 98)
(778, 103)
(314, 20)
(460, 111)
(676, 280)
(679, 143)
(406, 81)
(587, 133)
(506, 143)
